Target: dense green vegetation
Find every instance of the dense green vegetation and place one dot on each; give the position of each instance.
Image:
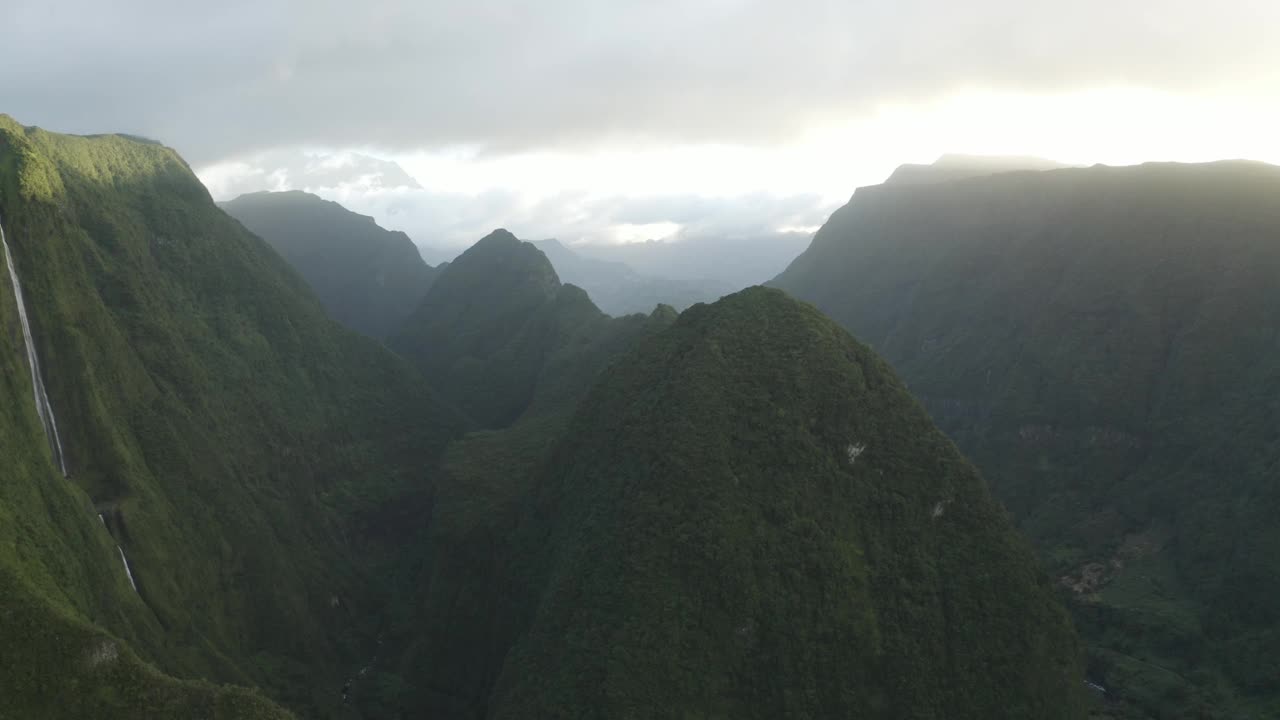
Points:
(1104, 343)
(516, 350)
(235, 439)
(367, 278)
(749, 517)
(501, 337)
(694, 542)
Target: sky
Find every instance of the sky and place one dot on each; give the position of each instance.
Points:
(614, 121)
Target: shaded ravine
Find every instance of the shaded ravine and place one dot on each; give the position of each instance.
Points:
(43, 408)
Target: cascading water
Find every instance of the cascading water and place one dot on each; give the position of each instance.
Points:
(127, 571)
(43, 408)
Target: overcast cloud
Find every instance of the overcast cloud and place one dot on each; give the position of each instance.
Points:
(235, 79)
(219, 79)
(442, 219)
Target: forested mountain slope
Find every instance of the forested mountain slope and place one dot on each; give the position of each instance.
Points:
(749, 517)
(734, 513)
(501, 337)
(233, 439)
(1104, 343)
(367, 278)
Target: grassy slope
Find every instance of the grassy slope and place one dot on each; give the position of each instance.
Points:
(1103, 344)
(710, 551)
(367, 278)
(233, 435)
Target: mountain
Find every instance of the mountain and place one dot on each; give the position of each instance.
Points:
(619, 290)
(516, 350)
(194, 453)
(750, 517)
(220, 503)
(958, 167)
(716, 264)
(1102, 342)
(502, 337)
(367, 278)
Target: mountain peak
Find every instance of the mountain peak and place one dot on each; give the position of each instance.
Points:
(501, 263)
(499, 238)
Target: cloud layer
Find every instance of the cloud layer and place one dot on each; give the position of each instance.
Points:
(221, 79)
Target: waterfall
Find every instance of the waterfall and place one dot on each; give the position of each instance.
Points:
(127, 571)
(43, 408)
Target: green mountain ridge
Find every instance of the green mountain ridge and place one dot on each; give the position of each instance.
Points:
(233, 437)
(367, 278)
(1100, 341)
(503, 339)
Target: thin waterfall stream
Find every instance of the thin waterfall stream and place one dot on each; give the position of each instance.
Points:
(43, 408)
(128, 571)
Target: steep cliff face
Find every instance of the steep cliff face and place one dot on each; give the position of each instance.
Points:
(228, 433)
(1102, 343)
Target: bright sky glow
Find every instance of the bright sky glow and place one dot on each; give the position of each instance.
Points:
(561, 192)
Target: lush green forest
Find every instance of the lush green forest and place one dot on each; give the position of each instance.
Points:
(504, 339)
(367, 278)
(1103, 343)
(233, 438)
(749, 517)
(541, 511)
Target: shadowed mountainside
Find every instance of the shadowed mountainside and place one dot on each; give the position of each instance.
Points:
(367, 278)
(233, 438)
(1102, 343)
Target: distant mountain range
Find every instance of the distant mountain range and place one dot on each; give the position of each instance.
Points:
(719, 263)
(960, 167)
(620, 290)
(368, 278)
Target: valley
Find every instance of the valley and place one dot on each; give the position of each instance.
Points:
(470, 492)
